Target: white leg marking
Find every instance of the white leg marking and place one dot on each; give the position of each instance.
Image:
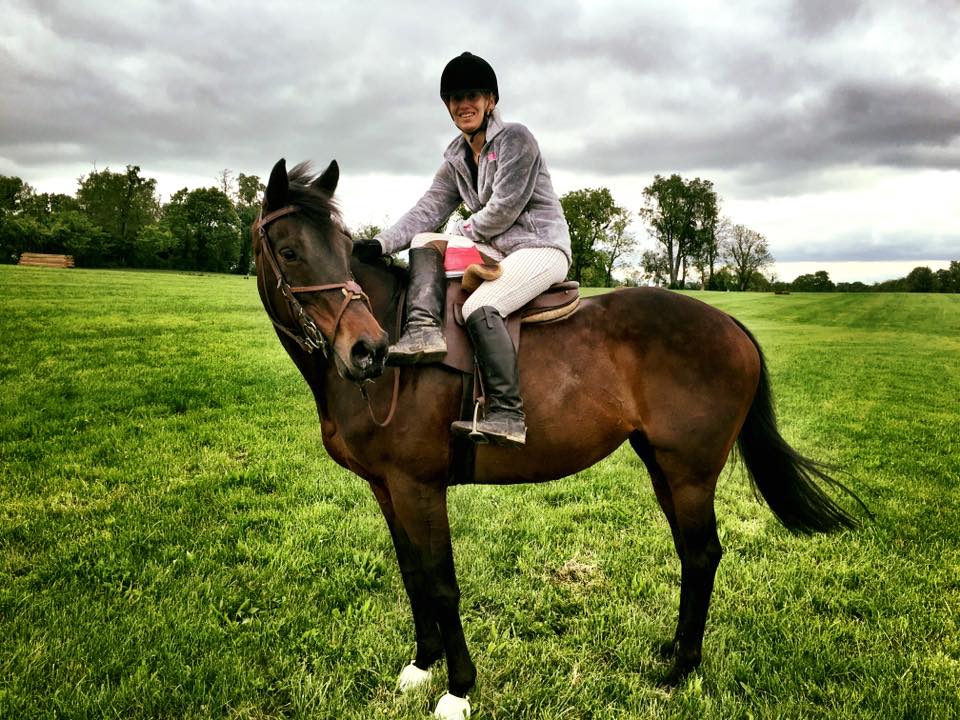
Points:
(412, 677)
(452, 707)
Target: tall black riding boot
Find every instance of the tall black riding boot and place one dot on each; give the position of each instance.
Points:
(503, 418)
(422, 339)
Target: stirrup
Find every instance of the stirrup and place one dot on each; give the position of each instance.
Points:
(476, 432)
(478, 437)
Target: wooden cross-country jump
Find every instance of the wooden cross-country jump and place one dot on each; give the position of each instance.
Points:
(46, 260)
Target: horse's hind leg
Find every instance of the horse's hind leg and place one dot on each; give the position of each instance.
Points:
(699, 558)
(686, 497)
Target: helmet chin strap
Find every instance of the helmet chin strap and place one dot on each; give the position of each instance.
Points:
(482, 128)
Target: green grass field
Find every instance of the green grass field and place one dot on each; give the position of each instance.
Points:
(174, 542)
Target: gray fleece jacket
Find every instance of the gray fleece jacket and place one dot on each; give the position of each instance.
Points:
(514, 205)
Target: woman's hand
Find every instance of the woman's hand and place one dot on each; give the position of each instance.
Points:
(464, 228)
(367, 249)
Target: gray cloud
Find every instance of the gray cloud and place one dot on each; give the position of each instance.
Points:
(885, 246)
(822, 17)
(776, 98)
(172, 83)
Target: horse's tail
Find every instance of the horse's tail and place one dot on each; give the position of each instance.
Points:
(791, 484)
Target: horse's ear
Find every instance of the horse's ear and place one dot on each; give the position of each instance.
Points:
(329, 179)
(279, 186)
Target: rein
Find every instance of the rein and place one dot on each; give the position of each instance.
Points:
(396, 372)
(309, 337)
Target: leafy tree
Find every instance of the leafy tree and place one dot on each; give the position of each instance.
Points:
(121, 204)
(18, 234)
(682, 216)
(597, 225)
(43, 206)
(73, 233)
(13, 193)
(722, 279)
(248, 202)
(948, 279)
(250, 190)
(922, 279)
(708, 252)
(705, 255)
(55, 223)
(655, 267)
(897, 285)
(703, 245)
(16, 231)
(366, 231)
(156, 246)
(614, 246)
(757, 282)
(817, 282)
(205, 227)
(747, 252)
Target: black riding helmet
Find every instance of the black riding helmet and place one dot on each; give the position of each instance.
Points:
(468, 72)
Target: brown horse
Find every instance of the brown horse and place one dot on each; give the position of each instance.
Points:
(678, 379)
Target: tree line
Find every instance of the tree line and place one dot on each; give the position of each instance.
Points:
(920, 279)
(116, 219)
(694, 245)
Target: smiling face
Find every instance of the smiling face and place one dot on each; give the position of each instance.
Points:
(469, 108)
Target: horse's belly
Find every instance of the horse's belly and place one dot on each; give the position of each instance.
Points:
(560, 441)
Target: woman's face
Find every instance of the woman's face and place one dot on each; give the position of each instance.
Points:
(468, 109)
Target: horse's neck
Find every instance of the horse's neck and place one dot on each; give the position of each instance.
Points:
(381, 284)
(337, 400)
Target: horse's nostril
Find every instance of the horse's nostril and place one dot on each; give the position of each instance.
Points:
(364, 354)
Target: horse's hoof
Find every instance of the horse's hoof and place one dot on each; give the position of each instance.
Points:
(452, 707)
(412, 677)
(667, 649)
(677, 675)
(669, 681)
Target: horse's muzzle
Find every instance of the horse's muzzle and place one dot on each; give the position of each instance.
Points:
(366, 359)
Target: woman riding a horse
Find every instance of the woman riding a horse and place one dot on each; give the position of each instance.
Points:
(496, 170)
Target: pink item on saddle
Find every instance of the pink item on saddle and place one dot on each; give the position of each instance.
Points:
(457, 259)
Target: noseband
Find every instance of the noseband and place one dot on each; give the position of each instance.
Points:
(307, 335)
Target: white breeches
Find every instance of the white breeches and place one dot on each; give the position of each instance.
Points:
(526, 273)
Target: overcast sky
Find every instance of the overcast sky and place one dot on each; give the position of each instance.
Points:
(830, 126)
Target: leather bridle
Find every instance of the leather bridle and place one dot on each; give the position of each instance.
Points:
(307, 335)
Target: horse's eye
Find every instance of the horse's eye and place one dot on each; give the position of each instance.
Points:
(288, 254)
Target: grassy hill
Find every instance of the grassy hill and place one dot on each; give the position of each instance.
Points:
(174, 542)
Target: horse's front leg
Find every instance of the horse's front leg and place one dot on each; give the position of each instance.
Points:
(426, 629)
(422, 530)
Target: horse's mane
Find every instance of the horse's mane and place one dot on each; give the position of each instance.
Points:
(315, 204)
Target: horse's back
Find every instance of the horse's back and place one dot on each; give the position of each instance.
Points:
(647, 329)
